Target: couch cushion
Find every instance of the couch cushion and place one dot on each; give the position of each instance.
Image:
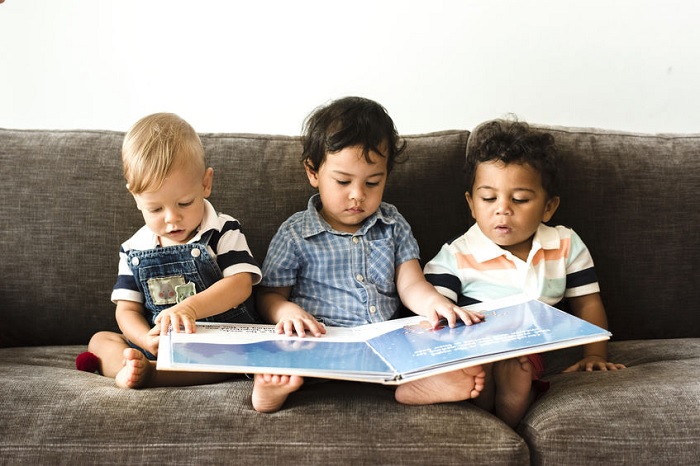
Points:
(54, 413)
(645, 414)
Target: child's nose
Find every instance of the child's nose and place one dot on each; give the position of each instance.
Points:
(504, 207)
(357, 193)
(172, 216)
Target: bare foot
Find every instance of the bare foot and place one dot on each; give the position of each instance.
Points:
(513, 379)
(458, 385)
(137, 370)
(271, 391)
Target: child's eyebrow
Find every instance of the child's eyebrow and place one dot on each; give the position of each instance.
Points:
(340, 172)
(531, 190)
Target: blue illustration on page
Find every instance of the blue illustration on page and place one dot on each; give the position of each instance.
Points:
(519, 326)
(390, 350)
(305, 353)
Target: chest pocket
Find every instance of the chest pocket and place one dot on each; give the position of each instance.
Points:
(161, 272)
(381, 263)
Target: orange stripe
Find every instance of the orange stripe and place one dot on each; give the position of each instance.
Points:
(467, 261)
(553, 254)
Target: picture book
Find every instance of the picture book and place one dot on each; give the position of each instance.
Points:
(391, 352)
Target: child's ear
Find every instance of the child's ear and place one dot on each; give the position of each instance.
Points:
(550, 207)
(208, 181)
(311, 174)
(470, 201)
(136, 199)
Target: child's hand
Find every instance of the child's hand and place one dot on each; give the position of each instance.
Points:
(446, 309)
(180, 315)
(152, 340)
(300, 321)
(594, 363)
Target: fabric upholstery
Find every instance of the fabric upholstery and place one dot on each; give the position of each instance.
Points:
(65, 211)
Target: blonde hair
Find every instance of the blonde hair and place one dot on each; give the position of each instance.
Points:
(154, 146)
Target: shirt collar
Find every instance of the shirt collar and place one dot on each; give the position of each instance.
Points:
(483, 249)
(315, 224)
(209, 222)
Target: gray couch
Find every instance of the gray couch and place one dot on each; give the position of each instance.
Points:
(64, 211)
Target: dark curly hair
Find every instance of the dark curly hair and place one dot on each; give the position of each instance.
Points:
(348, 122)
(512, 141)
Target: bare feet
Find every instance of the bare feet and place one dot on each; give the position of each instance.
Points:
(458, 385)
(513, 379)
(137, 370)
(271, 391)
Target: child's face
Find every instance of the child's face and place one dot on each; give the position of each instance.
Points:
(176, 209)
(351, 189)
(508, 203)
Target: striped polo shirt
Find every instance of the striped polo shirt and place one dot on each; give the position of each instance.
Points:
(227, 246)
(473, 268)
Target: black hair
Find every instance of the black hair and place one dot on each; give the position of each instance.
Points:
(348, 122)
(512, 141)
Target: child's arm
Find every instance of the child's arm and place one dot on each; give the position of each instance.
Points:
(595, 355)
(135, 327)
(274, 306)
(422, 298)
(223, 295)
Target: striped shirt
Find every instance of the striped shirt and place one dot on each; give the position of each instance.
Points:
(227, 246)
(342, 279)
(473, 268)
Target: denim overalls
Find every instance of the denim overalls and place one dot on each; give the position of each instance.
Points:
(166, 275)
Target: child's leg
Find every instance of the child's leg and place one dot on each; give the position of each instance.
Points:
(457, 385)
(139, 372)
(130, 368)
(271, 391)
(513, 381)
(109, 348)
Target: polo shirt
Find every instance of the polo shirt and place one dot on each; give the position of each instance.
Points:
(227, 246)
(473, 268)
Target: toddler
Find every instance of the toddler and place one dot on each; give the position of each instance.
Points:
(512, 176)
(350, 259)
(187, 263)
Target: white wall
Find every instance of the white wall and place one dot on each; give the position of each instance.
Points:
(262, 65)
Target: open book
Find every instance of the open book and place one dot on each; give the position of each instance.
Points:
(389, 352)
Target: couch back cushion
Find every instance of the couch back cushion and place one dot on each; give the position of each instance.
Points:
(66, 210)
(632, 199)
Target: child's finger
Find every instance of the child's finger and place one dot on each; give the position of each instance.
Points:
(190, 326)
(168, 322)
(298, 326)
(315, 327)
(469, 317)
(450, 317)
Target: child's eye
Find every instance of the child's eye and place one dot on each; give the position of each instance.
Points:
(488, 199)
(155, 210)
(342, 182)
(186, 204)
(372, 184)
(520, 201)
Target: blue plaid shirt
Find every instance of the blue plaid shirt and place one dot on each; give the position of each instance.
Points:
(342, 279)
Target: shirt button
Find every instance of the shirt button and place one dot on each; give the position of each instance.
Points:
(372, 309)
(135, 261)
(359, 277)
(195, 252)
(355, 239)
